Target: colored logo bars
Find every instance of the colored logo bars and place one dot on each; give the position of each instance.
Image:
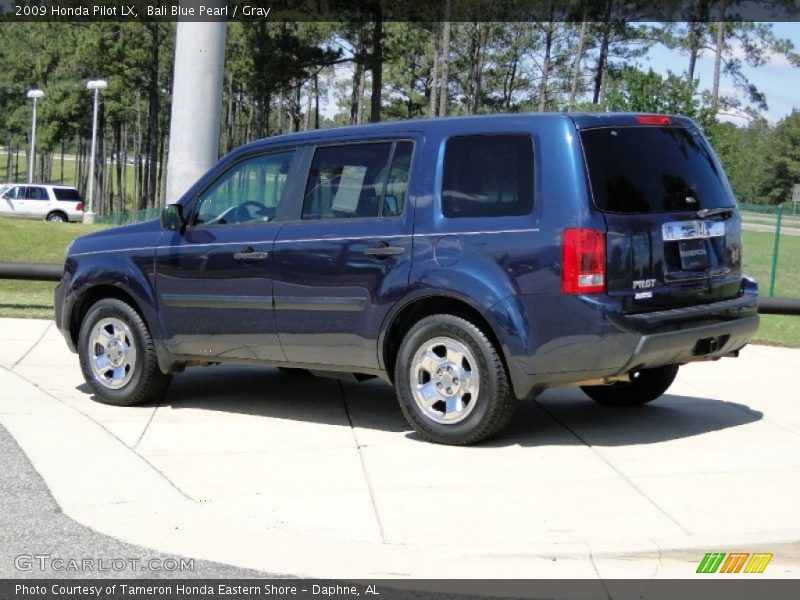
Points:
(734, 562)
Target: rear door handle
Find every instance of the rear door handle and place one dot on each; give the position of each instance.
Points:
(383, 249)
(249, 255)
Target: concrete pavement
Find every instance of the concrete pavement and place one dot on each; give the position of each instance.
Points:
(313, 477)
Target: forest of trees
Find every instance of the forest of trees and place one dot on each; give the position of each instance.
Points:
(277, 76)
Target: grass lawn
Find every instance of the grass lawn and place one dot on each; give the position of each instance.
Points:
(775, 329)
(33, 241)
(39, 241)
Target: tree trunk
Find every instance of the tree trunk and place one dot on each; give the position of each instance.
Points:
(377, 66)
(602, 56)
(309, 100)
(358, 80)
(548, 48)
(720, 46)
(444, 99)
(62, 161)
(152, 125)
(434, 78)
(228, 139)
(576, 69)
(316, 101)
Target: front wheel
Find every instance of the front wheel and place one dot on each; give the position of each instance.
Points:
(645, 386)
(451, 383)
(117, 355)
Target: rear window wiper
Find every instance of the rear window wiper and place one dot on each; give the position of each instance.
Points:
(710, 212)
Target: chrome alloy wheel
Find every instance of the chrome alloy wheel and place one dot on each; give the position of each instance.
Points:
(445, 381)
(112, 353)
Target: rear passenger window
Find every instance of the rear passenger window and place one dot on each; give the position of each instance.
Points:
(358, 181)
(488, 176)
(36, 193)
(67, 194)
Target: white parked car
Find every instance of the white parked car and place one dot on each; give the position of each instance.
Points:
(57, 203)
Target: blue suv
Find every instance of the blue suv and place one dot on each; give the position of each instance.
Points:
(471, 262)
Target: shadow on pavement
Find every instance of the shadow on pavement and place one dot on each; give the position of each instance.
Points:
(563, 416)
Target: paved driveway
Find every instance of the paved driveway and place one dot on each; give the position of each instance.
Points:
(314, 477)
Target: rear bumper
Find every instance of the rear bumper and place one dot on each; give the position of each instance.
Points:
(708, 342)
(575, 339)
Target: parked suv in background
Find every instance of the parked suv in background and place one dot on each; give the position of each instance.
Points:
(56, 203)
(471, 262)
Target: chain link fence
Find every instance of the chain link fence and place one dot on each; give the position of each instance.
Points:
(772, 247)
(128, 217)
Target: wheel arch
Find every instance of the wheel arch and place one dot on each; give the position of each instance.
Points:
(90, 296)
(419, 308)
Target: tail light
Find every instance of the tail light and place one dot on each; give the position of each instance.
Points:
(652, 120)
(79, 207)
(583, 261)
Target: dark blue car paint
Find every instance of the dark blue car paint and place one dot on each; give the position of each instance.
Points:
(320, 301)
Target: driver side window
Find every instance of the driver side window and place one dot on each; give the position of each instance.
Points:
(248, 192)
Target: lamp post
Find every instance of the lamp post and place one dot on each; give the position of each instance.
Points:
(96, 85)
(34, 95)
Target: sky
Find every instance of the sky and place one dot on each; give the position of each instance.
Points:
(779, 81)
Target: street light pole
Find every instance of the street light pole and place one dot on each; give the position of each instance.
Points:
(96, 85)
(34, 95)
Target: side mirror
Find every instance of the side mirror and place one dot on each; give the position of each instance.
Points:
(172, 217)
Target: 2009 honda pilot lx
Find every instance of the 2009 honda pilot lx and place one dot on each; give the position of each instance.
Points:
(472, 262)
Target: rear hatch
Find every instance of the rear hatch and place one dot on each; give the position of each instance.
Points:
(673, 229)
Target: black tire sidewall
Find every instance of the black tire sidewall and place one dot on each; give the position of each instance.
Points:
(654, 383)
(125, 395)
(448, 326)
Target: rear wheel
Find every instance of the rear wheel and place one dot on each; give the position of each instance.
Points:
(117, 355)
(56, 217)
(451, 383)
(645, 386)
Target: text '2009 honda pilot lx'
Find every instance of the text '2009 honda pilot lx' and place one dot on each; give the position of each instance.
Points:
(471, 262)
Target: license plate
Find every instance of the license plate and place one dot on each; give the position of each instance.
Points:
(694, 255)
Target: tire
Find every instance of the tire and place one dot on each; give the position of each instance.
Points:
(646, 386)
(474, 399)
(130, 374)
(56, 217)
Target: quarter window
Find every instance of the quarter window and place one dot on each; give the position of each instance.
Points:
(358, 181)
(488, 176)
(249, 192)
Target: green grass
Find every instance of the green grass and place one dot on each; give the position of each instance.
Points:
(777, 330)
(39, 241)
(33, 241)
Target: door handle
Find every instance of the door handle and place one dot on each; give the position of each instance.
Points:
(249, 255)
(383, 249)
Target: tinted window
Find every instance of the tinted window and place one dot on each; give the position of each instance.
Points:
(36, 193)
(397, 183)
(248, 192)
(67, 194)
(652, 169)
(488, 176)
(346, 181)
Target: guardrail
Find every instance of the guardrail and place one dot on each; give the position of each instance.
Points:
(31, 271)
(53, 272)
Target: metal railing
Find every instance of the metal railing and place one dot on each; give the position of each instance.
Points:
(53, 272)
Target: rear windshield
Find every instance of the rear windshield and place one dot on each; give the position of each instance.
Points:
(67, 194)
(652, 169)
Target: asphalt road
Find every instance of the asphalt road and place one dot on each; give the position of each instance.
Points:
(31, 523)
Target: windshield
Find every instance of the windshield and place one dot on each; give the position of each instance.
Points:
(653, 169)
